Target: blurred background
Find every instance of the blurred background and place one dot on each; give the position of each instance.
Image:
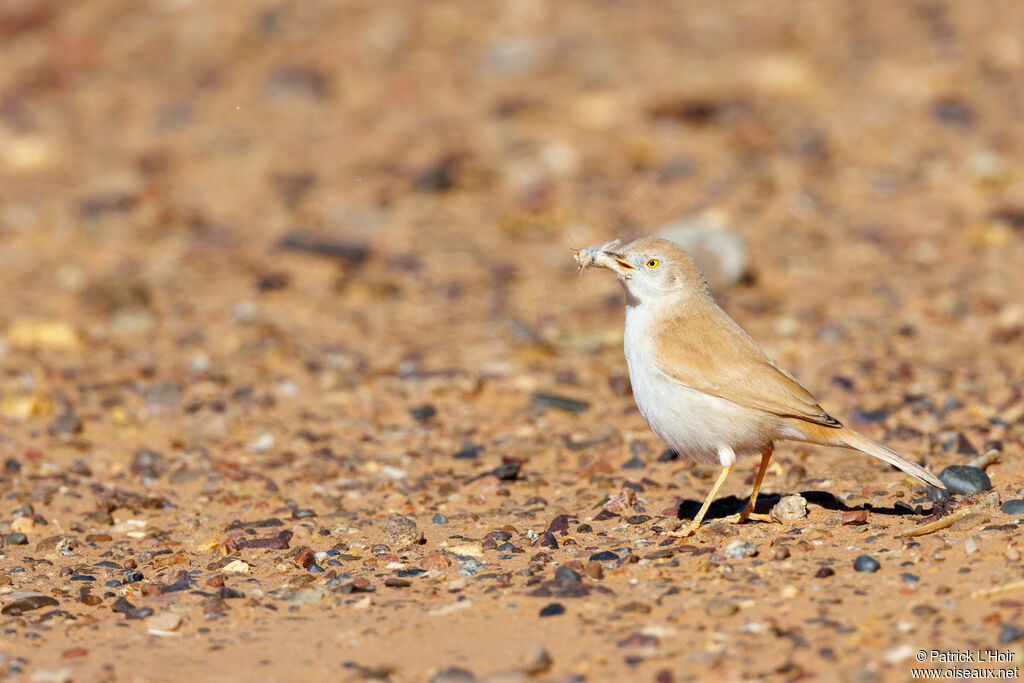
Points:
(313, 260)
(325, 192)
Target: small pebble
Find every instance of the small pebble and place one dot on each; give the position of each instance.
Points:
(538, 660)
(854, 517)
(469, 567)
(1013, 507)
(565, 574)
(910, 578)
(440, 519)
(1010, 633)
(16, 538)
(962, 479)
(453, 674)
(553, 609)
(866, 563)
(424, 412)
(166, 621)
(604, 556)
(739, 549)
(28, 603)
(790, 509)
(720, 607)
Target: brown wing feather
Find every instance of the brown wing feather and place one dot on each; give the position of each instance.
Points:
(706, 350)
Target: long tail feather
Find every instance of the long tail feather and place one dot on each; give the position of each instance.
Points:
(852, 439)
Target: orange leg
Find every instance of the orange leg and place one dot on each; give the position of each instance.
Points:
(748, 511)
(691, 528)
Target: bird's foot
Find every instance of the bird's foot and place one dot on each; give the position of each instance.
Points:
(743, 516)
(684, 531)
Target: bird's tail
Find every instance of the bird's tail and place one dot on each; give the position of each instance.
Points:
(852, 439)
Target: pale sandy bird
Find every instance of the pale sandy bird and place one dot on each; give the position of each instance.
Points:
(701, 383)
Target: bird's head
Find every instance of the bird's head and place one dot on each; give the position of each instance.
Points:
(648, 267)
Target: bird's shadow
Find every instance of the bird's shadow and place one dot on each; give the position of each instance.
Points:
(723, 507)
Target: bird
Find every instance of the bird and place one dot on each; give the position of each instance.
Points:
(702, 384)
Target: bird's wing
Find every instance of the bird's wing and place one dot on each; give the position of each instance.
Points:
(709, 352)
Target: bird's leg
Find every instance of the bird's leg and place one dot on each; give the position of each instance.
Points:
(691, 528)
(748, 511)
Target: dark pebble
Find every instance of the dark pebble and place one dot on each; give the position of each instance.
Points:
(28, 603)
(1013, 507)
(226, 593)
(547, 540)
(508, 471)
(16, 538)
(584, 529)
(508, 548)
(559, 525)
(132, 575)
(604, 556)
(138, 612)
(953, 112)
(273, 282)
(350, 253)
(637, 519)
(411, 571)
(421, 413)
(565, 574)
(964, 446)
(438, 178)
(866, 563)
(113, 583)
(440, 519)
(147, 463)
(315, 569)
(552, 610)
(178, 586)
(453, 674)
(543, 400)
(122, 605)
(83, 577)
(1010, 633)
(634, 463)
(302, 514)
(468, 452)
(961, 479)
(868, 416)
(257, 524)
(910, 578)
(824, 573)
(65, 423)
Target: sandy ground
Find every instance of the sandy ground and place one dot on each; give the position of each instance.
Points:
(287, 288)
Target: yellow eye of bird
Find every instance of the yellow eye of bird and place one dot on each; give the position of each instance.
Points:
(653, 263)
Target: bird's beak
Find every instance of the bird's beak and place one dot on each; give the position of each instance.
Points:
(619, 266)
(605, 256)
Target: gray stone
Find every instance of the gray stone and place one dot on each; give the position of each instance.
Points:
(1013, 507)
(738, 549)
(866, 563)
(961, 479)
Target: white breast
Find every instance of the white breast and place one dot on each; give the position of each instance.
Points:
(701, 427)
